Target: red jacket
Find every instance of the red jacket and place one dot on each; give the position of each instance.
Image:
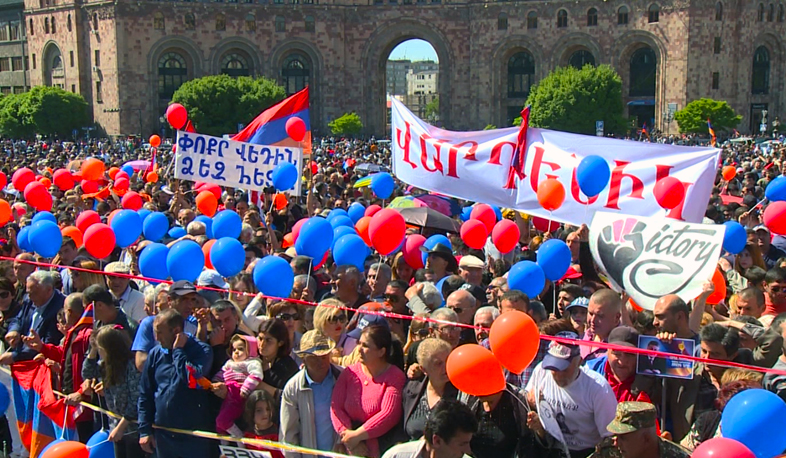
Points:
(78, 339)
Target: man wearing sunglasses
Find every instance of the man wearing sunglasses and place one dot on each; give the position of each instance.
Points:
(464, 304)
(776, 294)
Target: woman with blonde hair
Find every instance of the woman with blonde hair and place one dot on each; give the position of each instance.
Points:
(331, 320)
(401, 270)
(82, 279)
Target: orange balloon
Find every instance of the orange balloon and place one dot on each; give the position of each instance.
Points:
(92, 169)
(207, 203)
(113, 171)
(551, 194)
(206, 251)
(720, 288)
(514, 339)
(151, 177)
(729, 172)
(45, 181)
(474, 370)
(154, 141)
(74, 233)
(68, 449)
(288, 240)
(112, 216)
(6, 214)
(362, 228)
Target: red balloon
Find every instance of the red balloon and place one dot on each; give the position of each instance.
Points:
(775, 217)
(544, 225)
(719, 281)
(386, 230)
(207, 203)
(132, 201)
(86, 219)
(729, 172)
(372, 210)
(411, 250)
(176, 115)
(473, 233)
(6, 214)
(112, 216)
(206, 251)
(296, 229)
(99, 240)
(314, 168)
(38, 196)
(89, 187)
(362, 229)
(721, 447)
(121, 174)
(485, 214)
(505, 236)
(669, 192)
(551, 194)
(121, 184)
(67, 449)
(296, 128)
(514, 339)
(3, 180)
(474, 370)
(62, 179)
(21, 178)
(214, 188)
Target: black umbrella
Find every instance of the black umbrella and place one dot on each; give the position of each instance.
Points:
(373, 168)
(430, 218)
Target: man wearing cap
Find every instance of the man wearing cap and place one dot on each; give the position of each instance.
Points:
(211, 279)
(305, 402)
(769, 252)
(636, 435)
(580, 400)
(131, 301)
(619, 367)
(471, 270)
(441, 261)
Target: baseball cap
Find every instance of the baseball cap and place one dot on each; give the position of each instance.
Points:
(315, 343)
(559, 355)
(210, 277)
(571, 274)
(761, 227)
(624, 336)
(365, 321)
(182, 288)
(117, 268)
(632, 416)
(471, 262)
(578, 302)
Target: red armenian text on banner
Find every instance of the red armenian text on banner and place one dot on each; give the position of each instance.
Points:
(477, 166)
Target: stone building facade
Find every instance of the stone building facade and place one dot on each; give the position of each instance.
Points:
(13, 48)
(128, 56)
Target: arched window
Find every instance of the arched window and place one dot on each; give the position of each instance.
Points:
(562, 18)
(719, 11)
(502, 21)
(592, 17)
(54, 29)
(172, 73)
(643, 65)
(189, 21)
(532, 20)
(46, 25)
(771, 13)
(761, 71)
(781, 12)
(281, 25)
(295, 73)
(622, 15)
(521, 75)
(68, 23)
(159, 22)
(234, 65)
(653, 13)
(221, 22)
(760, 15)
(95, 21)
(581, 58)
(310, 24)
(251, 23)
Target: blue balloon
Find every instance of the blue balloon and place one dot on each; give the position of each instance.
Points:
(177, 232)
(227, 223)
(128, 169)
(22, 239)
(100, 446)
(127, 225)
(152, 261)
(466, 212)
(527, 277)
(497, 212)
(315, 238)
(143, 213)
(273, 276)
(340, 231)
(228, 256)
(356, 211)
(208, 224)
(776, 190)
(41, 216)
(284, 176)
(341, 220)
(432, 241)
(593, 174)
(735, 238)
(554, 258)
(351, 250)
(5, 399)
(45, 238)
(155, 226)
(185, 260)
(761, 432)
(382, 184)
(336, 212)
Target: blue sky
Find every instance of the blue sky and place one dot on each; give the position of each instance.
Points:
(414, 50)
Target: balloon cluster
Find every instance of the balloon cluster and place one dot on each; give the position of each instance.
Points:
(485, 220)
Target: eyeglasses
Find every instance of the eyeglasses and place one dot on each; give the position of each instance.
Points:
(340, 318)
(392, 298)
(4, 294)
(288, 316)
(492, 288)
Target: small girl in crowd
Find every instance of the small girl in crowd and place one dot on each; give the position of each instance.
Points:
(261, 421)
(242, 373)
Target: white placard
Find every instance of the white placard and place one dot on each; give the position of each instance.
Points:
(237, 452)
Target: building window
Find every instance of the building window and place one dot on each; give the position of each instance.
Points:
(46, 25)
(73, 88)
(761, 71)
(71, 58)
(172, 73)
(99, 96)
(4, 32)
(14, 29)
(159, 23)
(716, 46)
(295, 73)
(54, 29)
(581, 58)
(5, 64)
(221, 22)
(31, 27)
(281, 25)
(562, 19)
(68, 23)
(771, 13)
(235, 65)
(308, 2)
(653, 14)
(622, 15)
(532, 20)
(278, 2)
(97, 57)
(16, 64)
(502, 21)
(310, 24)
(251, 23)
(781, 13)
(592, 17)
(760, 16)
(95, 21)
(34, 62)
(521, 75)
(719, 11)
(715, 80)
(643, 66)
(5, 90)
(190, 21)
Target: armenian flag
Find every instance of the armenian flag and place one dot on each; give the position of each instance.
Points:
(712, 132)
(269, 128)
(520, 153)
(87, 316)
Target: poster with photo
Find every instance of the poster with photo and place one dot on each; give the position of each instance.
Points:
(666, 367)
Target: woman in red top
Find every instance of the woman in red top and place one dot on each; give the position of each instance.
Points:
(260, 418)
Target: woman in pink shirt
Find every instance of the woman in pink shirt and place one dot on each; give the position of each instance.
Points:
(366, 400)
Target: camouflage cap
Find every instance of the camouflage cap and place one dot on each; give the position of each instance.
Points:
(633, 416)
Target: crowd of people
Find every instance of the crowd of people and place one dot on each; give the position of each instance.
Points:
(326, 371)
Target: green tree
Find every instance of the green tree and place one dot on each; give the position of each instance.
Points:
(347, 124)
(490, 127)
(571, 100)
(12, 123)
(217, 104)
(693, 118)
(45, 110)
(432, 109)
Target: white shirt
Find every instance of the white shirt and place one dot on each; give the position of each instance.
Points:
(132, 303)
(414, 449)
(582, 409)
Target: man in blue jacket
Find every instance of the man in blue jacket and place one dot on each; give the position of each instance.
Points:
(166, 395)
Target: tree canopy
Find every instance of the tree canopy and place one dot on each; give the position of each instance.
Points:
(347, 124)
(45, 110)
(693, 118)
(217, 104)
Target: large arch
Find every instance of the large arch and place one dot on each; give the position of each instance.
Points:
(375, 56)
(183, 46)
(624, 49)
(501, 103)
(772, 99)
(238, 45)
(52, 73)
(304, 48)
(572, 42)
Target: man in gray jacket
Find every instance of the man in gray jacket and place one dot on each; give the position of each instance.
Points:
(305, 403)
